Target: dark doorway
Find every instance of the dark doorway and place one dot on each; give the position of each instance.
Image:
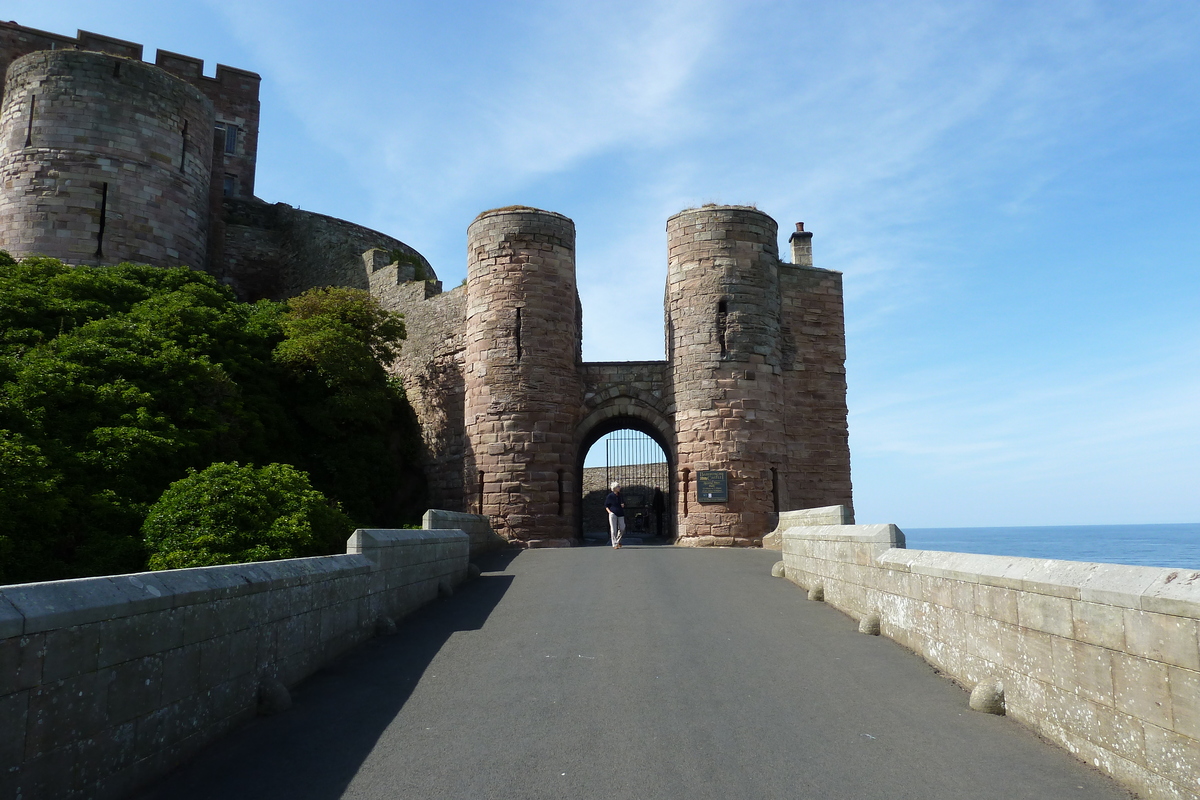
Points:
(639, 463)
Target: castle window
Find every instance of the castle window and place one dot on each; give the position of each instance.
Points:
(517, 333)
(103, 219)
(722, 317)
(229, 189)
(183, 146)
(562, 495)
(230, 132)
(29, 129)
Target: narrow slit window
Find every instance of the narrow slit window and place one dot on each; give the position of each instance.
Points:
(116, 69)
(481, 492)
(29, 125)
(231, 137)
(183, 145)
(722, 318)
(229, 188)
(775, 489)
(561, 493)
(103, 216)
(517, 334)
(686, 477)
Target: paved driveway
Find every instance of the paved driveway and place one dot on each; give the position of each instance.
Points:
(649, 672)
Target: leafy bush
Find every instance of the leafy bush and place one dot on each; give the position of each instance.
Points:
(230, 514)
(116, 381)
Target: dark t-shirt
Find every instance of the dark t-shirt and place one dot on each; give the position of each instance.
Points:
(614, 504)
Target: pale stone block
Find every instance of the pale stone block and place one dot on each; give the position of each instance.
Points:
(1118, 585)
(1185, 701)
(1099, 624)
(996, 603)
(1071, 712)
(1121, 733)
(1092, 672)
(1162, 638)
(1174, 592)
(1142, 688)
(1174, 757)
(985, 640)
(1035, 655)
(1045, 613)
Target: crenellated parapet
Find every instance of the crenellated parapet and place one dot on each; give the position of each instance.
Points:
(233, 93)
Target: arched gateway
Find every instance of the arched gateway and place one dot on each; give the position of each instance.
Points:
(749, 406)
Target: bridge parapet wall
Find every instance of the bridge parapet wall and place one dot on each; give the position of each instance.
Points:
(107, 683)
(476, 526)
(1102, 659)
(826, 515)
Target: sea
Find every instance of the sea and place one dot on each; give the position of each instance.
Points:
(1171, 546)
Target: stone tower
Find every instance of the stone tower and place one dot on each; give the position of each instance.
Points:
(723, 349)
(522, 374)
(104, 159)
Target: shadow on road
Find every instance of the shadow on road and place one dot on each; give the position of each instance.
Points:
(316, 748)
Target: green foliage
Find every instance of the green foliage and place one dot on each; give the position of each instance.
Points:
(115, 381)
(230, 514)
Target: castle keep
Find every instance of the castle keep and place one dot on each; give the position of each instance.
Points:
(105, 158)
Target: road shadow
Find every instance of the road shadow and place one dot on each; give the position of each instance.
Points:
(315, 749)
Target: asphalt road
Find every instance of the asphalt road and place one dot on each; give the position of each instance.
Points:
(649, 672)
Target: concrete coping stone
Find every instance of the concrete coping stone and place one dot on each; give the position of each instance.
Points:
(825, 515)
(1161, 590)
(35, 607)
(12, 622)
(366, 538)
(865, 534)
(65, 604)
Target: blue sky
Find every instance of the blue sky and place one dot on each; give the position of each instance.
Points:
(1011, 189)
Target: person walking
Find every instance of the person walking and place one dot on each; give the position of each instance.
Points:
(616, 515)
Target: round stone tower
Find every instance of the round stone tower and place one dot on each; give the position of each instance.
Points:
(522, 374)
(103, 159)
(723, 346)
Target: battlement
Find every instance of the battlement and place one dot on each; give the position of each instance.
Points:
(233, 92)
(17, 40)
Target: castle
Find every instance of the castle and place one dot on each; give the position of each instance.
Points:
(105, 158)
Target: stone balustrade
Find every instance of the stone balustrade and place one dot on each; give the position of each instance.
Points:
(1102, 659)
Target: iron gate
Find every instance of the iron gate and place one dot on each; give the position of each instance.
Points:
(634, 460)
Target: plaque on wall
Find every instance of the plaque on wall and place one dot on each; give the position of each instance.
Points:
(712, 486)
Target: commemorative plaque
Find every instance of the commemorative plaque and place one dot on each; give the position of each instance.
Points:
(712, 486)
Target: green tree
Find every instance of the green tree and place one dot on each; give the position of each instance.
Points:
(230, 514)
(115, 381)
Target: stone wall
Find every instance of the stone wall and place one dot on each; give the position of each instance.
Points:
(233, 92)
(123, 176)
(817, 464)
(483, 538)
(723, 300)
(522, 374)
(107, 683)
(807, 517)
(431, 366)
(1102, 659)
(276, 251)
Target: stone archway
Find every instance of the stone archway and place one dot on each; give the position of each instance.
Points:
(624, 412)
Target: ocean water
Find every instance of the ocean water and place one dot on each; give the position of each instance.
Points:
(1171, 546)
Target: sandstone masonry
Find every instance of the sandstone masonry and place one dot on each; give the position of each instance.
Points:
(105, 158)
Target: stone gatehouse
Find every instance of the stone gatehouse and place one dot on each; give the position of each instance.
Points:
(106, 158)
(753, 387)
